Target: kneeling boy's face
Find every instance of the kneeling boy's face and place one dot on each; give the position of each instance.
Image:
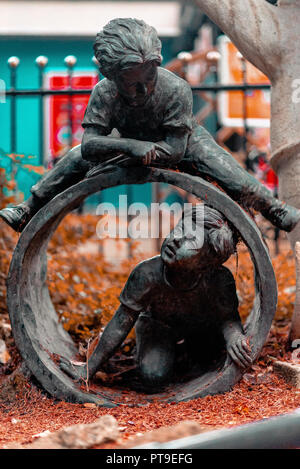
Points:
(183, 249)
(136, 84)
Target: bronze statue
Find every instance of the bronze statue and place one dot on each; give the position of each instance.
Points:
(184, 295)
(152, 110)
(42, 340)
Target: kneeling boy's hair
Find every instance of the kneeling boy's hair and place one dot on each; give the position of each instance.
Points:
(221, 237)
(125, 42)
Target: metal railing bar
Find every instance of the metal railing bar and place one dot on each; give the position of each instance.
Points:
(37, 92)
(217, 87)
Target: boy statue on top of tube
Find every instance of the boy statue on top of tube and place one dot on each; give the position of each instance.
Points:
(151, 108)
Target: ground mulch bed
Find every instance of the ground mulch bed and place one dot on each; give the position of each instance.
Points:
(259, 395)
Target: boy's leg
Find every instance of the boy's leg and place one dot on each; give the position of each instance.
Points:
(155, 352)
(68, 171)
(206, 157)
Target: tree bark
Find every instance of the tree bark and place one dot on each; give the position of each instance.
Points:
(250, 24)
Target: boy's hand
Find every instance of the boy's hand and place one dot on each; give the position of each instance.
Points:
(145, 151)
(239, 350)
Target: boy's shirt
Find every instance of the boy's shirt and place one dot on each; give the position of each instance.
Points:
(210, 301)
(168, 107)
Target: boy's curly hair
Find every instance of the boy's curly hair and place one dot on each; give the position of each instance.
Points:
(221, 236)
(125, 42)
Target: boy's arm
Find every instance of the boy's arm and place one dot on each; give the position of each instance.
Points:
(177, 122)
(236, 341)
(133, 299)
(114, 334)
(97, 146)
(175, 143)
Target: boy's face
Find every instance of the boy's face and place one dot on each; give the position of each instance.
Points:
(136, 84)
(183, 249)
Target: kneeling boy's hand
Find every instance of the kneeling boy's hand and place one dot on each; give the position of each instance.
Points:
(239, 350)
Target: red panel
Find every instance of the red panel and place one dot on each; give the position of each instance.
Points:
(58, 127)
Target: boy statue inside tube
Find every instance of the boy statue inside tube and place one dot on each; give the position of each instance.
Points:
(152, 110)
(183, 303)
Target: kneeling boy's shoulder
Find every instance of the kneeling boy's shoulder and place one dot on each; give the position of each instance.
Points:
(148, 270)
